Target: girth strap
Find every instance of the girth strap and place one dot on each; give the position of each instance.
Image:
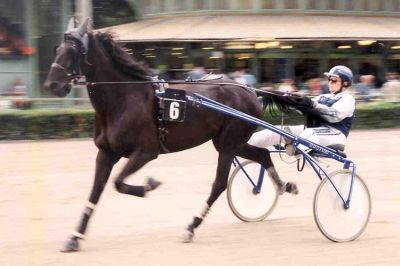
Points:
(162, 135)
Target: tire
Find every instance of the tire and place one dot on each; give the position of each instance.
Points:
(244, 203)
(333, 220)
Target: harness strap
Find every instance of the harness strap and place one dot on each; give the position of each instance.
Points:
(162, 131)
(162, 135)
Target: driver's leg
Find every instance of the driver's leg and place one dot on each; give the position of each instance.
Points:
(266, 138)
(324, 136)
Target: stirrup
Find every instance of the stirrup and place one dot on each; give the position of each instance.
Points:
(288, 130)
(290, 149)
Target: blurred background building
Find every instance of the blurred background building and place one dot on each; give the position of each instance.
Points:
(276, 41)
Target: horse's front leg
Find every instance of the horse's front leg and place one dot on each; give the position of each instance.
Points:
(104, 164)
(219, 186)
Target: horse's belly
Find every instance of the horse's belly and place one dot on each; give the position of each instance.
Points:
(183, 137)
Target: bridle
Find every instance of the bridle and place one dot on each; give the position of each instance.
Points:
(74, 71)
(68, 74)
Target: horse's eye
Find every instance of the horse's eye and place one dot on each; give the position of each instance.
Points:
(67, 36)
(72, 50)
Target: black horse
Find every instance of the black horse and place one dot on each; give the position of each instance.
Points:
(127, 124)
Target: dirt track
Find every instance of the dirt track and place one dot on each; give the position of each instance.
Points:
(45, 184)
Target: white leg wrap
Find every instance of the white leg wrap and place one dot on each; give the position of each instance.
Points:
(90, 205)
(205, 211)
(78, 235)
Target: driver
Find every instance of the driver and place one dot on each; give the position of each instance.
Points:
(334, 119)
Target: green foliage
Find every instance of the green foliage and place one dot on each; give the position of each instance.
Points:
(378, 115)
(78, 123)
(371, 115)
(46, 124)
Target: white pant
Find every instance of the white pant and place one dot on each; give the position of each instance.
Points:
(324, 136)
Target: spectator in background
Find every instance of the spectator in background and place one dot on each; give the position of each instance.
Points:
(197, 73)
(17, 93)
(18, 88)
(267, 86)
(365, 87)
(287, 85)
(198, 70)
(391, 88)
(250, 79)
(244, 77)
(162, 73)
(315, 86)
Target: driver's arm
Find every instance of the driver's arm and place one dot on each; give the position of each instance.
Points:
(343, 108)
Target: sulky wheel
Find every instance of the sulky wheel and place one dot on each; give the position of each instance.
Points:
(334, 221)
(246, 204)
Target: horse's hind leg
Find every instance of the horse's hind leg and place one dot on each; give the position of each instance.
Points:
(263, 157)
(219, 186)
(104, 164)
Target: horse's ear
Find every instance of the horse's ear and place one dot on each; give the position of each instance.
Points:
(71, 24)
(83, 28)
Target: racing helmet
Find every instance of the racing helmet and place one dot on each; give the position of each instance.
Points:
(342, 72)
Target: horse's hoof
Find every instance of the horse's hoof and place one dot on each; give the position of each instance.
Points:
(292, 188)
(72, 245)
(152, 183)
(187, 237)
(289, 188)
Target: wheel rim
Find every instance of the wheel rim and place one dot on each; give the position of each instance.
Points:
(244, 203)
(333, 220)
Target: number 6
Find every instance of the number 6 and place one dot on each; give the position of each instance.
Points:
(174, 110)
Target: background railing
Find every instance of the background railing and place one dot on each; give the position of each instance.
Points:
(7, 102)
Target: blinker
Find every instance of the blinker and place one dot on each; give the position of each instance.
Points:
(79, 33)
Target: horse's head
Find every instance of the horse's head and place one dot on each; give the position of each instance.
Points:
(66, 66)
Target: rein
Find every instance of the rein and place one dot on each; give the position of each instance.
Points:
(85, 83)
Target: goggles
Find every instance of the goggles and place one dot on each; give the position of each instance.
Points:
(332, 80)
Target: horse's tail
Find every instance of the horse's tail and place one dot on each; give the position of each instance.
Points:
(284, 102)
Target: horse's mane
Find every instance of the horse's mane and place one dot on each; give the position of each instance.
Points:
(125, 62)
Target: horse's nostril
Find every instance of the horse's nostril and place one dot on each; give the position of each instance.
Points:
(54, 85)
(51, 85)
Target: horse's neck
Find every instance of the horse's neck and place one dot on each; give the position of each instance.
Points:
(102, 69)
(108, 96)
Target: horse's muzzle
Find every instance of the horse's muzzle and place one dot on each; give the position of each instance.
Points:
(57, 88)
